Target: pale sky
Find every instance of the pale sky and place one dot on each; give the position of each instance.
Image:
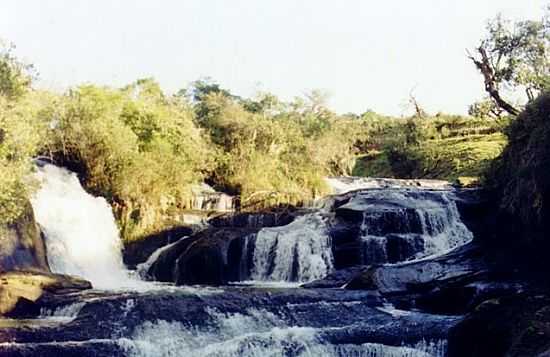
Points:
(365, 54)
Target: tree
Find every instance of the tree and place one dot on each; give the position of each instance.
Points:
(513, 56)
(419, 112)
(15, 75)
(485, 108)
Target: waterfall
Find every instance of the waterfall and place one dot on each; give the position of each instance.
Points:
(402, 224)
(81, 235)
(300, 251)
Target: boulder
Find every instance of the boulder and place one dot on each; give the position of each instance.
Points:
(212, 256)
(20, 290)
(25, 275)
(22, 245)
(137, 251)
(450, 284)
(514, 325)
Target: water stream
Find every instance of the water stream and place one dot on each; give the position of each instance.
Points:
(82, 239)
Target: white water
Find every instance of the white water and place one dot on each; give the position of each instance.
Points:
(441, 228)
(300, 251)
(82, 238)
(340, 185)
(143, 268)
(257, 333)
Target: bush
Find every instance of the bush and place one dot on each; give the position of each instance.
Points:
(21, 134)
(519, 178)
(139, 149)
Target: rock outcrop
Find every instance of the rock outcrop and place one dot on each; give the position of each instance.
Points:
(211, 256)
(22, 246)
(511, 325)
(137, 251)
(25, 275)
(20, 290)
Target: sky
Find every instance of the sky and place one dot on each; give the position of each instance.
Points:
(365, 54)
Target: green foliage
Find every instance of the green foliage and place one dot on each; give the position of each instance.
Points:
(519, 178)
(15, 76)
(136, 147)
(265, 159)
(21, 134)
(145, 151)
(520, 53)
(514, 57)
(442, 147)
(485, 108)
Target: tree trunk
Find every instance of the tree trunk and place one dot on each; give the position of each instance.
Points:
(491, 85)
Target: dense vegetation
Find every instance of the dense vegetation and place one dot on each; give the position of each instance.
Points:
(145, 150)
(519, 178)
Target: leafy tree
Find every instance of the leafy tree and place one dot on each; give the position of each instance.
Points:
(485, 108)
(513, 56)
(15, 76)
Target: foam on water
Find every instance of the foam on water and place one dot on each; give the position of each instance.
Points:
(67, 312)
(256, 333)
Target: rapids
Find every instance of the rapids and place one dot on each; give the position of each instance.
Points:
(130, 317)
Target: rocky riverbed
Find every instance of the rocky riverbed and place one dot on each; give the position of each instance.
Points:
(381, 271)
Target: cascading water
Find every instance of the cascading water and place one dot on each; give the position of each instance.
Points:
(256, 333)
(401, 224)
(82, 238)
(299, 251)
(400, 221)
(341, 185)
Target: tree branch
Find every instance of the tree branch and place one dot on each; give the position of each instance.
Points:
(491, 85)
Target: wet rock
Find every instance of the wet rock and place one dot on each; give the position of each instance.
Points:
(65, 349)
(392, 279)
(477, 212)
(163, 269)
(19, 290)
(346, 245)
(136, 252)
(450, 284)
(211, 256)
(338, 317)
(402, 247)
(253, 219)
(207, 261)
(336, 279)
(205, 198)
(516, 325)
(25, 275)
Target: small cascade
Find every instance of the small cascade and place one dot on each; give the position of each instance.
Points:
(257, 332)
(344, 184)
(143, 268)
(82, 237)
(404, 224)
(299, 252)
(66, 312)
